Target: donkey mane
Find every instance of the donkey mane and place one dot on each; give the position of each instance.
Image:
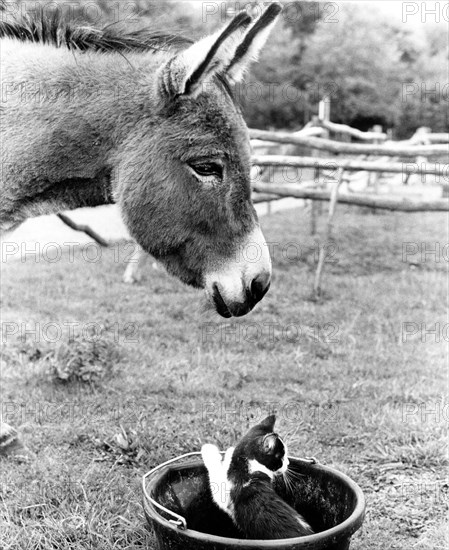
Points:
(57, 31)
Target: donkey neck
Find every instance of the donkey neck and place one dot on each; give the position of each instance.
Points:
(64, 115)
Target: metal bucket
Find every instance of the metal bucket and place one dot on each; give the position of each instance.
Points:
(180, 510)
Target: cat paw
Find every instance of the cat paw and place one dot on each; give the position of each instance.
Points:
(211, 455)
(305, 527)
(228, 457)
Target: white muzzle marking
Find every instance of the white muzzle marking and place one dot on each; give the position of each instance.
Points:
(234, 278)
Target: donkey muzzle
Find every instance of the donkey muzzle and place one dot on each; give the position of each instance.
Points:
(253, 294)
(243, 281)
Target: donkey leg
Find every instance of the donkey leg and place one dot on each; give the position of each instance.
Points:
(133, 272)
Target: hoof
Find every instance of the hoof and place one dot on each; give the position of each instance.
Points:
(131, 280)
(132, 274)
(11, 445)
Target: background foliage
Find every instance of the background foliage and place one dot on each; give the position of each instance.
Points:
(378, 71)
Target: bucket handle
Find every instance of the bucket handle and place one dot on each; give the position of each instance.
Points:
(178, 520)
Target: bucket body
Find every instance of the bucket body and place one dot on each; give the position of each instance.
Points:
(331, 502)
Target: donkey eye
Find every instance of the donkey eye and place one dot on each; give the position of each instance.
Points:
(207, 169)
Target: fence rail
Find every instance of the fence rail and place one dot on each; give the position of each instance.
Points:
(437, 169)
(357, 199)
(388, 149)
(353, 132)
(430, 138)
(422, 144)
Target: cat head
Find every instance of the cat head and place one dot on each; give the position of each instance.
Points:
(263, 449)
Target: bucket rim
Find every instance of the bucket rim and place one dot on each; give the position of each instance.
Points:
(346, 528)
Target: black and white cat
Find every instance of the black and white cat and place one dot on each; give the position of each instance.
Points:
(241, 484)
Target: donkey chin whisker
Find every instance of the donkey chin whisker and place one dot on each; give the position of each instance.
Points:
(220, 305)
(207, 306)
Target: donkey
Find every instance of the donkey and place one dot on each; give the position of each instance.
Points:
(148, 121)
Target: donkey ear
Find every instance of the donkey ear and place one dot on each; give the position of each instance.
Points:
(268, 422)
(248, 51)
(186, 72)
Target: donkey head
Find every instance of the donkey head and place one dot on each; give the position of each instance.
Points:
(189, 201)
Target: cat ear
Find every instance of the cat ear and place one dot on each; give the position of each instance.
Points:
(251, 46)
(268, 422)
(269, 442)
(185, 73)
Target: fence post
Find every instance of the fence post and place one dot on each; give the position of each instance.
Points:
(422, 134)
(314, 204)
(373, 178)
(324, 113)
(328, 233)
(324, 109)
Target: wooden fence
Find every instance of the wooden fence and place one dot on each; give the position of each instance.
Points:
(390, 149)
(423, 154)
(406, 157)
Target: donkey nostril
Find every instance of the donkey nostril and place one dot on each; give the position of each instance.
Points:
(260, 286)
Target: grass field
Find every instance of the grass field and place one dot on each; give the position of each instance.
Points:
(357, 378)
